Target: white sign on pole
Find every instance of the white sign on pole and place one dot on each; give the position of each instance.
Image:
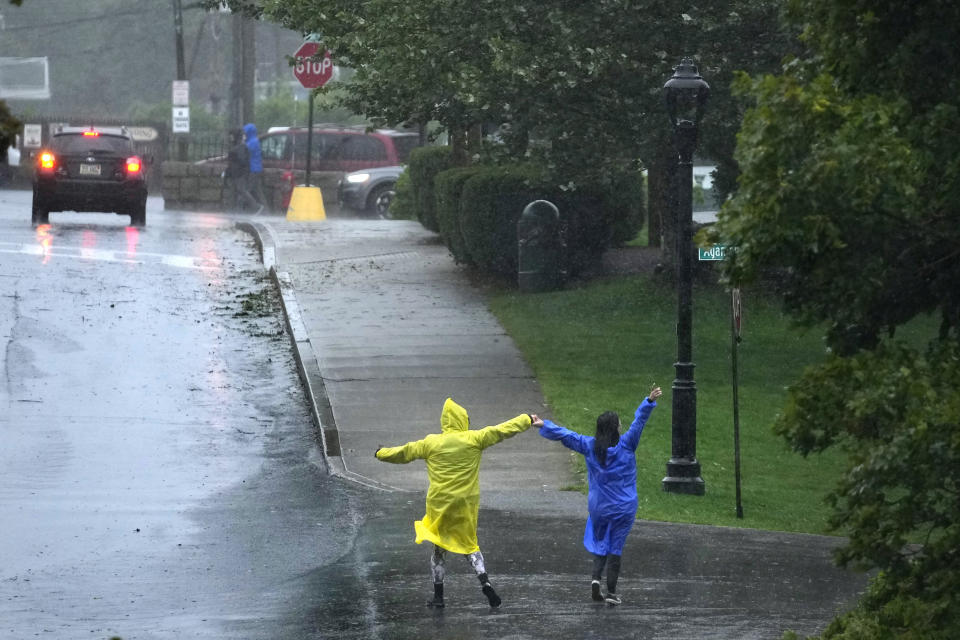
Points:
(181, 119)
(181, 93)
(32, 136)
(143, 134)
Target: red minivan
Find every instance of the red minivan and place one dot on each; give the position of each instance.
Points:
(336, 151)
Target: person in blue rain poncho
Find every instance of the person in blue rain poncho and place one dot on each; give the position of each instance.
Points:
(453, 498)
(254, 191)
(612, 497)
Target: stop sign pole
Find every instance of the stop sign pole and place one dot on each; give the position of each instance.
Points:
(312, 74)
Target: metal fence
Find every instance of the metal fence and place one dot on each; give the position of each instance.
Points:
(198, 145)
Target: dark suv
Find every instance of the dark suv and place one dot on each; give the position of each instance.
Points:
(89, 169)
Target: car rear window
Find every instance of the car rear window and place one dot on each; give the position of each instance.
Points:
(77, 143)
(404, 145)
(357, 147)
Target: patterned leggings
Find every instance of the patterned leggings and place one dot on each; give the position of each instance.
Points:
(438, 559)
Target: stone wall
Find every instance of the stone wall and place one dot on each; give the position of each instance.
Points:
(192, 187)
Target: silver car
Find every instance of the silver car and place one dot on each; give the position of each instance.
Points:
(370, 190)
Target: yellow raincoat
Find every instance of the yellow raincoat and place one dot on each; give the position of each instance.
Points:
(453, 467)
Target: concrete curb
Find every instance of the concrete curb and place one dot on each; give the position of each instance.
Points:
(306, 359)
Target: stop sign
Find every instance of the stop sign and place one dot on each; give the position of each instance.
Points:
(312, 73)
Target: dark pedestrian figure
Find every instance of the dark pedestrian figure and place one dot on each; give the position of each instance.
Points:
(612, 498)
(238, 170)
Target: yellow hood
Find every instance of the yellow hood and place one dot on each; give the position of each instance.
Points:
(454, 417)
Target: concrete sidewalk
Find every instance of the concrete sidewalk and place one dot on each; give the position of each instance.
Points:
(387, 327)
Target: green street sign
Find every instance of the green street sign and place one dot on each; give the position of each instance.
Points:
(716, 252)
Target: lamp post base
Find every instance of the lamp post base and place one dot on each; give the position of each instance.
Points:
(683, 476)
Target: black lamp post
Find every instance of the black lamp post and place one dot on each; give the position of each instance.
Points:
(686, 95)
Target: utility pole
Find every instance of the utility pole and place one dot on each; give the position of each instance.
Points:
(181, 67)
(242, 77)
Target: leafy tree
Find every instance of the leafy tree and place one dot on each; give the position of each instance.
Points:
(577, 84)
(9, 128)
(848, 199)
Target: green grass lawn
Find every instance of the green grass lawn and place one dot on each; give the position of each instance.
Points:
(601, 347)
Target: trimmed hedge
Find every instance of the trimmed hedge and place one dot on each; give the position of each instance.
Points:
(425, 163)
(490, 206)
(593, 217)
(403, 206)
(448, 187)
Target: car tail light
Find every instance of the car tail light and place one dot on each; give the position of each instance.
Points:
(48, 161)
(288, 182)
(133, 164)
(91, 134)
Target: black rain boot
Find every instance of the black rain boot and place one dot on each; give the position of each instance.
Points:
(488, 591)
(437, 596)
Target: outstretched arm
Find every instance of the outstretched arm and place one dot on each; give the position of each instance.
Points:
(632, 437)
(402, 454)
(570, 439)
(489, 436)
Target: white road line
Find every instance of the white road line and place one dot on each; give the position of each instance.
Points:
(170, 260)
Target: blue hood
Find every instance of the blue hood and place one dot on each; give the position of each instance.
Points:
(250, 131)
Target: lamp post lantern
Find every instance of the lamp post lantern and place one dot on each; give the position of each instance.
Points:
(686, 95)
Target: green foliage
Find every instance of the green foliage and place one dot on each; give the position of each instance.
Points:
(900, 617)
(282, 109)
(849, 196)
(425, 163)
(827, 179)
(200, 119)
(577, 83)
(403, 206)
(491, 202)
(448, 190)
(9, 128)
(593, 215)
(896, 412)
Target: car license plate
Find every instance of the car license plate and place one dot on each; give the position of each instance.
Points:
(89, 169)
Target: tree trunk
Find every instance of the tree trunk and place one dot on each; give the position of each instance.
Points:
(249, 67)
(662, 190)
(242, 34)
(458, 145)
(474, 139)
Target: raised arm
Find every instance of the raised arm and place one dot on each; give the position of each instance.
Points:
(489, 436)
(631, 438)
(569, 439)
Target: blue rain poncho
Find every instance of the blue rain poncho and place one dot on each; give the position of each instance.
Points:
(253, 147)
(453, 467)
(612, 498)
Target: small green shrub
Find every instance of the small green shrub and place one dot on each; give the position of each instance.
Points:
(448, 187)
(425, 164)
(404, 206)
(491, 202)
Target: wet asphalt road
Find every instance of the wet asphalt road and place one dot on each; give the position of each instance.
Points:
(160, 479)
(158, 476)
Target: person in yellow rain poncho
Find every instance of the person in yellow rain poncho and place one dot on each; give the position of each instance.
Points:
(453, 499)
